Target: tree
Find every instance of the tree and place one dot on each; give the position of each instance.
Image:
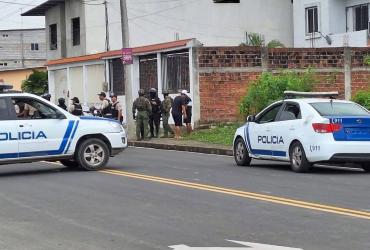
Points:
(36, 83)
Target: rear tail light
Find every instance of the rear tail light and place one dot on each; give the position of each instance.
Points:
(326, 127)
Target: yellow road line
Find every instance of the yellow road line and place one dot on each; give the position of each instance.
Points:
(244, 194)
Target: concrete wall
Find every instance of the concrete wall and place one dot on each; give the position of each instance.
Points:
(16, 77)
(75, 9)
(332, 22)
(211, 23)
(56, 16)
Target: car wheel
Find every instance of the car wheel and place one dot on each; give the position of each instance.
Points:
(92, 154)
(70, 164)
(241, 154)
(298, 160)
(366, 167)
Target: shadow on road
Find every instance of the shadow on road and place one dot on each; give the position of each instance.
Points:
(25, 172)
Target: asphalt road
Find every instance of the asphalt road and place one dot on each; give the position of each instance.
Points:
(43, 206)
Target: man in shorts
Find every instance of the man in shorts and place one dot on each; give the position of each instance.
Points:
(178, 111)
(188, 108)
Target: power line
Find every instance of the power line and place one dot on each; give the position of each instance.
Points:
(23, 4)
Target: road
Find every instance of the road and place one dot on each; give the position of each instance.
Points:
(152, 199)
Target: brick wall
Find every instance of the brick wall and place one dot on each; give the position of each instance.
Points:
(226, 72)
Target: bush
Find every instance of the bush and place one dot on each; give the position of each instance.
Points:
(36, 83)
(367, 60)
(270, 87)
(362, 97)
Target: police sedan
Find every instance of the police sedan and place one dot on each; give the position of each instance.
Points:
(305, 131)
(33, 129)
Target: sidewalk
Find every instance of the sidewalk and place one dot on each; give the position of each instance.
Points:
(183, 145)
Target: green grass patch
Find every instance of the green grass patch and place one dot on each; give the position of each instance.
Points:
(222, 134)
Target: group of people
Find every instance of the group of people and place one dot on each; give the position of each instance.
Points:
(109, 108)
(148, 110)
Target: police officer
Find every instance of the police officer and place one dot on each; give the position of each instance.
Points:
(46, 96)
(144, 110)
(116, 109)
(155, 117)
(62, 103)
(166, 109)
(106, 106)
(75, 108)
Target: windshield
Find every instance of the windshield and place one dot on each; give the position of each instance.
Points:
(339, 109)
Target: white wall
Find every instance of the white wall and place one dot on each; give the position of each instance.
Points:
(212, 24)
(53, 16)
(75, 9)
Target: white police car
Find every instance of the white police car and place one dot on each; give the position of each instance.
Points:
(306, 131)
(33, 129)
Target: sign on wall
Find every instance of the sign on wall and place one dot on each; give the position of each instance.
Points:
(127, 56)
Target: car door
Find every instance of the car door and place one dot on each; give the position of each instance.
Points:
(43, 131)
(259, 132)
(8, 132)
(285, 129)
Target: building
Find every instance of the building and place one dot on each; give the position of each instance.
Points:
(331, 23)
(21, 51)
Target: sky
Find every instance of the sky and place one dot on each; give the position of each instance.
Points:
(10, 14)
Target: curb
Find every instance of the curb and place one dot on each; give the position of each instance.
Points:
(194, 149)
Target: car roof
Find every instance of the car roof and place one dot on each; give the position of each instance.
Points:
(314, 100)
(16, 93)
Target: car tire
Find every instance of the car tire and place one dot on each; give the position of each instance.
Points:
(366, 167)
(241, 154)
(92, 154)
(70, 164)
(298, 160)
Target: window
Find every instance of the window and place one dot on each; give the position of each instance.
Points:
(117, 77)
(4, 110)
(5, 35)
(148, 72)
(269, 115)
(5, 64)
(34, 46)
(312, 20)
(226, 1)
(339, 109)
(76, 31)
(28, 108)
(291, 112)
(175, 72)
(53, 37)
(361, 17)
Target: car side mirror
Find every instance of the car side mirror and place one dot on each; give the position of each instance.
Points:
(60, 115)
(251, 118)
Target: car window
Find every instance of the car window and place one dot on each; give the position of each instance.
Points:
(339, 109)
(29, 108)
(4, 110)
(291, 111)
(270, 115)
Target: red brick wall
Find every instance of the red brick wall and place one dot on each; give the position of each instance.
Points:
(226, 72)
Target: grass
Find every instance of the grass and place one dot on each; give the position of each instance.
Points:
(220, 134)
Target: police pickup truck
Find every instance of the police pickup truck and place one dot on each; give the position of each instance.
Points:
(306, 130)
(34, 129)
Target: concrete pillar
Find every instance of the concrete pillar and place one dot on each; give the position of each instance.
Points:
(159, 74)
(51, 85)
(69, 93)
(194, 85)
(347, 73)
(264, 58)
(85, 80)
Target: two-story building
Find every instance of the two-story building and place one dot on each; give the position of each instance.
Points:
(331, 23)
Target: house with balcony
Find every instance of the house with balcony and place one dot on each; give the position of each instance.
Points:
(331, 23)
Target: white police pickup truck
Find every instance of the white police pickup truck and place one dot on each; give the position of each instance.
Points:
(33, 129)
(305, 131)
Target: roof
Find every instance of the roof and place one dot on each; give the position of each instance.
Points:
(117, 53)
(42, 8)
(33, 29)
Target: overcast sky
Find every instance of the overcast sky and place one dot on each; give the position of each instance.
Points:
(10, 14)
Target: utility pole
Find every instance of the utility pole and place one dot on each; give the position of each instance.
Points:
(127, 72)
(107, 44)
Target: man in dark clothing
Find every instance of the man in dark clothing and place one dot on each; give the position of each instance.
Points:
(178, 110)
(62, 103)
(155, 117)
(188, 107)
(106, 106)
(75, 108)
(116, 109)
(166, 113)
(141, 110)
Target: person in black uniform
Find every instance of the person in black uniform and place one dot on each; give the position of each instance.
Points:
(155, 117)
(62, 103)
(75, 108)
(106, 106)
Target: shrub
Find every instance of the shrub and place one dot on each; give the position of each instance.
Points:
(367, 60)
(36, 83)
(270, 87)
(275, 44)
(362, 97)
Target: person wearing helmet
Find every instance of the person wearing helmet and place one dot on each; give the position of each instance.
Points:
(46, 96)
(141, 110)
(155, 117)
(75, 108)
(166, 106)
(62, 103)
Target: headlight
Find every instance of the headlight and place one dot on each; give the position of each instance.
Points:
(116, 125)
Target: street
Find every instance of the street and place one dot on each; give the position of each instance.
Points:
(153, 199)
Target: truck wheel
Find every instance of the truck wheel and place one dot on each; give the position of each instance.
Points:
(241, 154)
(298, 160)
(70, 164)
(366, 167)
(92, 154)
